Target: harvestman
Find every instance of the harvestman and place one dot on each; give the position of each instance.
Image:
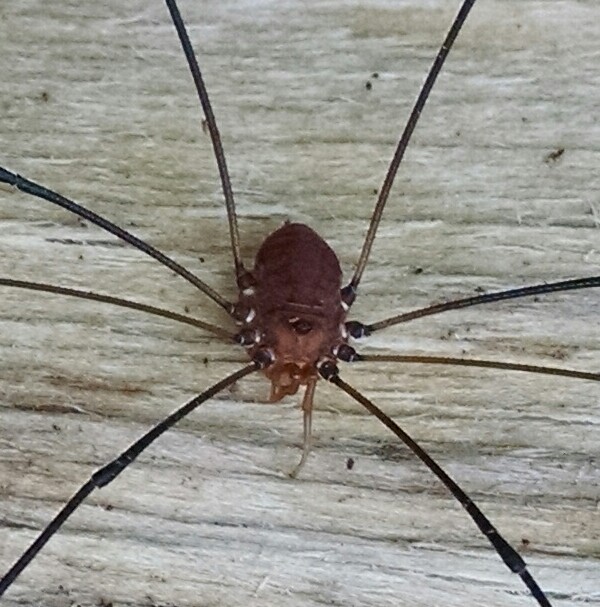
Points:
(291, 314)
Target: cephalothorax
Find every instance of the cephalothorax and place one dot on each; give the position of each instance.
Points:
(291, 316)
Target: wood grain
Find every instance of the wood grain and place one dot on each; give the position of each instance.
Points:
(97, 103)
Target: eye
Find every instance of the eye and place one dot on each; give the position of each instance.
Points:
(300, 325)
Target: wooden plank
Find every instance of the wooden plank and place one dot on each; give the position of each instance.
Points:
(97, 104)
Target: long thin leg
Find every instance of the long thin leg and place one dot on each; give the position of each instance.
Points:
(473, 362)
(349, 292)
(117, 301)
(307, 409)
(215, 137)
(358, 329)
(108, 473)
(508, 554)
(39, 191)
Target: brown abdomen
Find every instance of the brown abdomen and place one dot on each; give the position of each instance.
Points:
(295, 267)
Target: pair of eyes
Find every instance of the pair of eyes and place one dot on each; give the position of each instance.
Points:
(301, 326)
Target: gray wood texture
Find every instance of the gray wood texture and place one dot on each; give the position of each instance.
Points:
(96, 102)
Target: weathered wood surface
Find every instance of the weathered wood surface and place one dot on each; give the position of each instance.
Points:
(97, 103)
